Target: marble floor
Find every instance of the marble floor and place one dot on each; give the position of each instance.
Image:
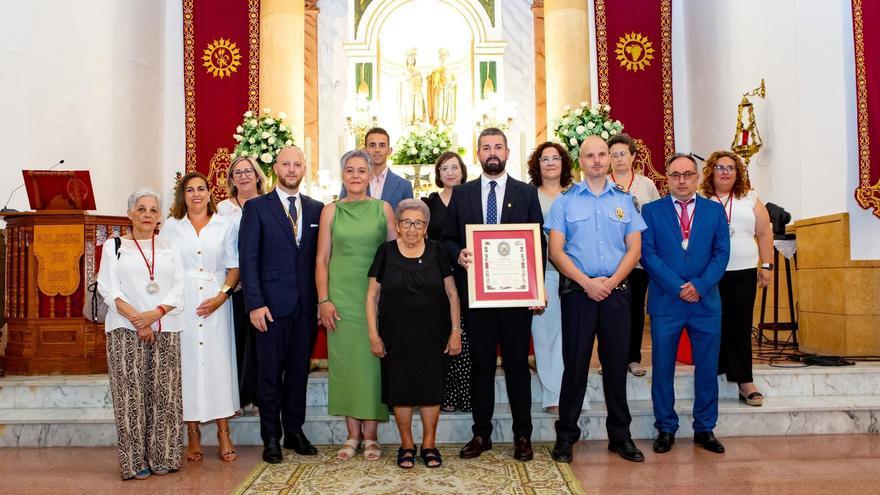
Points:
(839, 464)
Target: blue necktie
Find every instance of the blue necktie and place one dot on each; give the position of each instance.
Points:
(291, 208)
(491, 205)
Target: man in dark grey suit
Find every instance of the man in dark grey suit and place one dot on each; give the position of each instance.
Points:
(494, 198)
(384, 184)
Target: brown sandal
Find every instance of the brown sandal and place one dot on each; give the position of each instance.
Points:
(195, 456)
(228, 456)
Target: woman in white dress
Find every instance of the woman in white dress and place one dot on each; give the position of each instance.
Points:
(549, 168)
(751, 241)
(642, 190)
(141, 281)
(208, 247)
(244, 181)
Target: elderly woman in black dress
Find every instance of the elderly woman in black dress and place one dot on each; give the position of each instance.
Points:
(413, 318)
(450, 171)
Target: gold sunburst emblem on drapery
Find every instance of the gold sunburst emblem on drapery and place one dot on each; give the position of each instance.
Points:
(221, 58)
(634, 51)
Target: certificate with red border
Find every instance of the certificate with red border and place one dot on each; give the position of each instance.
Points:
(507, 271)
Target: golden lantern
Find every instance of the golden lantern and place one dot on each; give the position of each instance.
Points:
(747, 140)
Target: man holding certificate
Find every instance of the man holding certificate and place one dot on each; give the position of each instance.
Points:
(496, 198)
(595, 242)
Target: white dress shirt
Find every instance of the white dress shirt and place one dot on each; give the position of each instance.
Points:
(690, 208)
(298, 202)
(500, 185)
(377, 183)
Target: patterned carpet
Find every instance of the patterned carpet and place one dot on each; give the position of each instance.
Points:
(495, 472)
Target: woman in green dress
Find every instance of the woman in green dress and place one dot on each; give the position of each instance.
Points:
(350, 231)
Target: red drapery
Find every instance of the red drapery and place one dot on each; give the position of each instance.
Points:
(866, 31)
(221, 75)
(634, 54)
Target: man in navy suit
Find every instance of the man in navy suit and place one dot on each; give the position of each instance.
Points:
(277, 246)
(494, 198)
(384, 184)
(685, 252)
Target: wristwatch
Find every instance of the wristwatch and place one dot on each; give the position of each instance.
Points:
(767, 266)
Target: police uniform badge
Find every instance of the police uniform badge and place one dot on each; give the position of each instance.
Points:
(619, 213)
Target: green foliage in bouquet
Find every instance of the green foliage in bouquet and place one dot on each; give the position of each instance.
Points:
(576, 124)
(422, 145)
(261, 137)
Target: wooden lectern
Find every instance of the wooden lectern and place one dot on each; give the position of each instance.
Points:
(52, 255)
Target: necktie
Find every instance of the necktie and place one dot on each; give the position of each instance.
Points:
(684, 221)
(291, 208)
(492, 205)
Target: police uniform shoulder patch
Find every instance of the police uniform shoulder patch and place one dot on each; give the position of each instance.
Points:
(567, 188)
(621, 189)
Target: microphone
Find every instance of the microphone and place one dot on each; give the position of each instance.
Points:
(698, 157)
(11, 210)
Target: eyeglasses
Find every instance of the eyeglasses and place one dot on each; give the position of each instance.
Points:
(243, 173)
(408, 224)
(619, 155)
(678, 176)
(728, 169)
(449, 168)
(548, 159)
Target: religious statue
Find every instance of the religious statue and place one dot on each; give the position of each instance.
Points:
(412, 97)
(442, 91)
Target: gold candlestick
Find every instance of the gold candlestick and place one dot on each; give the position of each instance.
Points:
(747, 140)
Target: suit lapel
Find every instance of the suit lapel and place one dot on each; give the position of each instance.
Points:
(672, 219)
(508, 202)
(278, 211)
(476, 200)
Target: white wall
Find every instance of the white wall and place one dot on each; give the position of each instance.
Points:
(98, 84)
(803, 49)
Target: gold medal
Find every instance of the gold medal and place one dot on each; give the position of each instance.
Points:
(619, 213)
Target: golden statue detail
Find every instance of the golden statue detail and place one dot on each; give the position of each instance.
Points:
(442, 90)
(412, 98)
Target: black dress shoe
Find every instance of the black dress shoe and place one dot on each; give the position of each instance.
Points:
(709, 442)
(522, 449)
(561, 452)
(475, 447)
(664, 442)
(272, 451)
(628, 451)
(299, 444)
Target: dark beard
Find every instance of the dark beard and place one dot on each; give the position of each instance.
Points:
(493, 166)
(291, 185)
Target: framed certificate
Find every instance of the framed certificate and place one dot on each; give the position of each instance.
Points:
(507, 271)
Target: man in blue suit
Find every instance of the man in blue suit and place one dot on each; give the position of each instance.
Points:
(277, 245)
(685, 252)
(384, 184)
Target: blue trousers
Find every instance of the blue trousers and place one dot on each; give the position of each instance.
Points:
(705, 336)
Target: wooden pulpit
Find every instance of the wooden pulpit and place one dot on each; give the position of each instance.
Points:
(52, 256)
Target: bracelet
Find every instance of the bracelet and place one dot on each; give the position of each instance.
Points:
(161, 310)
(322, 301)
(456, 329)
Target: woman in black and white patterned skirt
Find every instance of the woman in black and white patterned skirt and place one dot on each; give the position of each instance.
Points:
(141, 281)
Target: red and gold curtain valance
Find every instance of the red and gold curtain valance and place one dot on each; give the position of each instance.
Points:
(866, 31)
(221, 76)
(634, 53)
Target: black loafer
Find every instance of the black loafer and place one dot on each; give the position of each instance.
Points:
(664, 442)
(522, 449)
(272, 451)
(299, 444)
(709, 442)
(628, 451)
(561, 452)
(475, 447)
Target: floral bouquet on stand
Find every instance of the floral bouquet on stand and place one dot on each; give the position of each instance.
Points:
(576, 124)
(421, 145)
(261, 138)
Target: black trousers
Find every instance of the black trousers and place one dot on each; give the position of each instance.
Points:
(283, 371)
(638, 283)
(583, 320)
(245, 350)
(512, 328)
(738, 290)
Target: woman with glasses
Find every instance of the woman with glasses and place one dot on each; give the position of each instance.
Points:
(244, 181)
(549, 169)
(450, 171)
(413, 317)
(642, 191)
(751, 240)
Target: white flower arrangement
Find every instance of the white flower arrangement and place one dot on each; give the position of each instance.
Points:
(422, 144)
(576, 124)
(261, 137)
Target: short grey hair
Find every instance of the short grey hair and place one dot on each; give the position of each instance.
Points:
(414, 205)
(142, 193)
(355, 154)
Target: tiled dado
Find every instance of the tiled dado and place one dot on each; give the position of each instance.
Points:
(838, 299)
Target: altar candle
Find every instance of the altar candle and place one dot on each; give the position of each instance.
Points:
(307, 151)
(745, 137)
(522, 149)
(341, 145)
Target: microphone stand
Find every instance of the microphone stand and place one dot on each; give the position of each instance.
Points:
(12, 210)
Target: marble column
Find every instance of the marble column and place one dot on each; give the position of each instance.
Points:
(540, 73)
(282, 61)
(310, 99)
(566, 53)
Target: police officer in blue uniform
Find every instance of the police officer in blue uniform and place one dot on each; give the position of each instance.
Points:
(595, 241)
